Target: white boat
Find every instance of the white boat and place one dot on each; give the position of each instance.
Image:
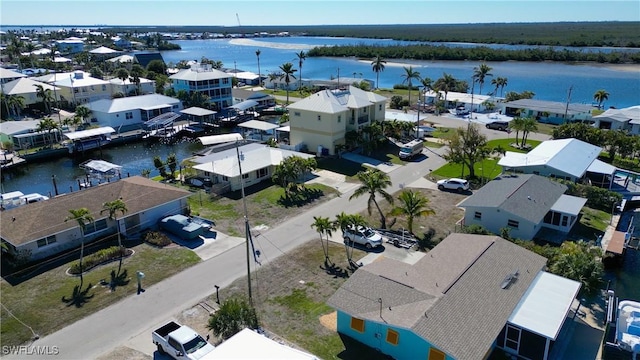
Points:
(628, 326)
(17, 198)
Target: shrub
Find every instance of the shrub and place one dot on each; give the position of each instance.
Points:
(476, 229)
(396, 102)
(629, 164)
(97, 258)
(597, 198)
(157, 238)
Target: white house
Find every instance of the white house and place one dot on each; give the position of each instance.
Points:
(524, 204)
(620, 119)
(455, 99)
(40, 229)
(70, 45)
(552, 112)
(127, 86)
(321, 120)
(131, 112)
(79, 87)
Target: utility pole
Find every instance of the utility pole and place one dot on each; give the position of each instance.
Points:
(247, 229)
(566, 109)
(418, 119)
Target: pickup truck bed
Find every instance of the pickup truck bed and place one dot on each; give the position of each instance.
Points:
(167, 329)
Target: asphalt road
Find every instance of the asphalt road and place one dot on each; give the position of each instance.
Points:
(136, 315)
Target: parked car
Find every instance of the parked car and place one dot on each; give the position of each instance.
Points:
(455, 184)
(498, 125)
(181, 342)
(363, 236)
(411, 149)
(182, 226)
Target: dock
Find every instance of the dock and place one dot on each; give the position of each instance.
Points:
(9, 160)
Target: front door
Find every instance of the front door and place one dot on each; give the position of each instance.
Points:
(512, 339)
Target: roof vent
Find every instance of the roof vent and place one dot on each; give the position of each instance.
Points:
(510, 279)
(78, 75)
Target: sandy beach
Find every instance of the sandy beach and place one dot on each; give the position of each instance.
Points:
(616, 67)
(266, 44)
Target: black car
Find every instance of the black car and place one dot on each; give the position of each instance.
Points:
(498, 125)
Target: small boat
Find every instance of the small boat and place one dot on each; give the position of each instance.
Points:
(15, 199)
(622, 337)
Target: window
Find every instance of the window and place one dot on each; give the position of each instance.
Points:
(513, 223)
(319, 118)
(339, 118)
(296, 113)
(128, 115)
(392, 337)
(379, 107)
(104, 87)
(565, 220)
(357, 324)
(435, 354)
(95, 227)
(174, 106)
(47, 241)
(262, 172)
(245, 176)
(477, 215)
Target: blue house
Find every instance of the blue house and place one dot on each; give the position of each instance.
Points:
(466, 297)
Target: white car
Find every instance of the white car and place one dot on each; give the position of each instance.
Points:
(363, 236)
(454, 184)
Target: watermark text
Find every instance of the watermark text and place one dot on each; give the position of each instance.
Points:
(30, 350)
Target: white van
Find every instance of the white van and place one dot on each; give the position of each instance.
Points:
(411, 149)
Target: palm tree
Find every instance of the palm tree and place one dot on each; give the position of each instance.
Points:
(113, 207)
(83, 217)
(83, 112)
(287, 74)
(45, 95)
(499, 82)
(324, 226)
(445, 84)
(123, 75)
(412, 205)
(234, 315)
(47, 125)
(374, 182)
(377, 65)
(480, 73)
(408, 75)
(137, 71)
(15, 103)
(302, 56)
(258, 52)
(529, 124)
(600, 96)
(517, 124)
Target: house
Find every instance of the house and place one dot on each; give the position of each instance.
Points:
(127, 87)
(246, 77)
(264, 100)
(258, 164)
(145, 58)
(7, 75)
(42, 230)
(24, 134)
(458, 99)
(552, 112)
(203, 78)
(104, 52)
(80, 88)
(70, 45)
(321, 120)
(121, 42)
(524, 204)
(627, 119)
(467, 296)
(248, 344)
(132, 112)
(568, 159)
(28, 89)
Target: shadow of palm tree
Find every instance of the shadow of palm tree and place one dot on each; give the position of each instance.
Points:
(300, 198)
(79, 296)
(121, 279)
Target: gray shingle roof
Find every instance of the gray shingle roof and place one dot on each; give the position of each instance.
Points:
(527, 196)
(554, 107)
(452, 297)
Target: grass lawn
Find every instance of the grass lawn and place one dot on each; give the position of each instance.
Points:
(507, 144)
(593, 223)
(42, 301)
(443, 132)
(487, 169)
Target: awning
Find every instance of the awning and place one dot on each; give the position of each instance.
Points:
(568, 204)
(244, 105)
(258, 125)
(284, 129)
(162, 120)
(197, 111)
(601, 167)
(219, 139)
(89, 133)
(100, 166)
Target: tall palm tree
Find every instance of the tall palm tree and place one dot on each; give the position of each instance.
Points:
(113, 208)
(123, 75)
(377, 65)
(287, 74)
(83, 217)
(374, 182)
(302, 56)
(412, 205)
(325, 227)
(47, 125)
(15, 103)
(408, 76)
(499, 83)
(517, 124)
(83, 112)
(445, 84)
(480, 73)
(530, 124)
(137, 71)
(258, 52)
(45, 95)
(600, 96)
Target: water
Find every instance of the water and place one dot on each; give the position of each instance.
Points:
(626, 280)
(548, 80)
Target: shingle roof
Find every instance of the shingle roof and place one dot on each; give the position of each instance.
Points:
(145, 58)
(44, 218)
(527, 196)
(10, 74)
(553, 107)
(452, 297)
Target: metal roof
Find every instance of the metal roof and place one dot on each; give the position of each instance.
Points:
(197, 111)
(259, 125)
(242, 106)
(601, 167)
(161, 120)
(253, 160)
(219, 139)
(100, 166)
(88, 133)
(247, 344)
(568, 204)
(544, 307)
(132, 103)
(553, 107)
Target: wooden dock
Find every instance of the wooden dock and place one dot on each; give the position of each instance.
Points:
(10, 160)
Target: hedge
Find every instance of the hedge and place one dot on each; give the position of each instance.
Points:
(97, 258)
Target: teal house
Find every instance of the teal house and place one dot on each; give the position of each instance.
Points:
(468, 296)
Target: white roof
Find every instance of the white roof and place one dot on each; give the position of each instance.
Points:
(18, 127)
(336, 101)
(601, 167)
(631, 114)
(461, 97)
(545, 305)
(570, 156)
(78, 79)
(568, 204)
(193, 75)
(117, 81)
(61, 59)
(247, 344)
(101, 166)
(254, 159)
(88, 133)
(25, 86)
(10, 74)
(122, 59)
(259, 125)
(131, 103)
(103, 50)
(197, 111)
(219, 139)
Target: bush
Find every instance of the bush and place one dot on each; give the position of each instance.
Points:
(476, 229)
(157, 238)
(597, 198)
(396, 102)
(629, 164)
(100, 257)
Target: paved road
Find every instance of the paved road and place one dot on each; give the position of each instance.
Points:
(135, 316)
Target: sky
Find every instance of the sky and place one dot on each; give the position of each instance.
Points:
(309, 12)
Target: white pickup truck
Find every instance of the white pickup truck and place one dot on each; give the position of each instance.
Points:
(363, 236)
(181, 342)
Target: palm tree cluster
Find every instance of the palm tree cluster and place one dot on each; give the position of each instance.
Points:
(526, 125)
(49, 126)
(480, 73)
(289, 171)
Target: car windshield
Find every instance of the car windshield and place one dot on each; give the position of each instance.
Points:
(368, 233)
(405, 150)
(195, 344)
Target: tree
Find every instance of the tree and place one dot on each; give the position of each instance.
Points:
(412, 205)
(408, 75)
(46, 96)
(529, 124)
(123, 75)
(373, 182)
(234, 315)
(579, 261)
(601, 96)
(377, 65)
(15, 103)
(113, 208)
(344, 221)
(499, 82)
(517, 125)
(160, 166)
(467, 147)
(83, 217)
(258, 52)
(137, 72)
(172, 164)
(324, 227)
(48, 125)
(445, 84)
(290, 170)
(157, 66)
(480, 73)
(286, 75)
(83, 112)
(302, 56)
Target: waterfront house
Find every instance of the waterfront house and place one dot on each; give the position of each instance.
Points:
(524, 204)
(457, 100)
(464, 298)
(41, 229)
(627, 119)
(79, 88)
(128, 87)
(24, 134)
(122, 43)
(258, 164)
(321, 120)
(245, 77)
(144, 58)
(130, 113)
(203, 78)
(27, 88)
(264, 100)
(551, 112)
(7, 75)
